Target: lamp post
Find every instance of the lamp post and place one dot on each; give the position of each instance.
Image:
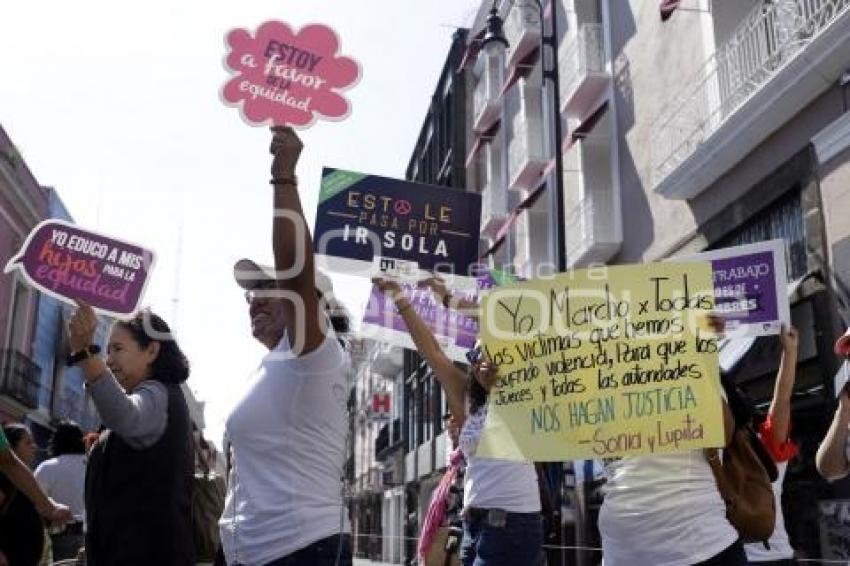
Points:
(494, 45)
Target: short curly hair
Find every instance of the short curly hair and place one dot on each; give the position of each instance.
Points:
(170, 366)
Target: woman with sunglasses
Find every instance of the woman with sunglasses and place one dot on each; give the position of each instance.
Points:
(502, 523)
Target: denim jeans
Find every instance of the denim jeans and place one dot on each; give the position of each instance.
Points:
(519, 541)
(321, 553)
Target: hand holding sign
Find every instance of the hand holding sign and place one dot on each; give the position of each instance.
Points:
(81, 327)
(286, 147)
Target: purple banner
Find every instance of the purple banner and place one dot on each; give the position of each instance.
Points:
(750, 287)
(745, 288)
(69, 262)
(455, 332)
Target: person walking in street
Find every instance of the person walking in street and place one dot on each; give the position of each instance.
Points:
(288, 432)
(502, 513)
(63, 478)
(140, 469)
(774, 434)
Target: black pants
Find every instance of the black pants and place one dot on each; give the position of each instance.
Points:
(732, 556)
(321, 553)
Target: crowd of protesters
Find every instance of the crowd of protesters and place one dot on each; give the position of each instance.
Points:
(127, 495)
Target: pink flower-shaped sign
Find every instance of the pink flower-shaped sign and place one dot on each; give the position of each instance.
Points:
(284, 78)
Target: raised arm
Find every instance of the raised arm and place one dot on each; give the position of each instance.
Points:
(22, 478)
(450, 377)
(780, 406)
(831, 459)
(293, 247)
(467, 308)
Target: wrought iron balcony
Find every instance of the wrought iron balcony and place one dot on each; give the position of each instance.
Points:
(20, 378)
(582, 71)
(591, 229)
(765, 46)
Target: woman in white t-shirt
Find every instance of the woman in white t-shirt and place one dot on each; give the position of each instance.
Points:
(666, 510)
(502, 520)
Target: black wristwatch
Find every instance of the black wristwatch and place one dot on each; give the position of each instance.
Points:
(80, 355)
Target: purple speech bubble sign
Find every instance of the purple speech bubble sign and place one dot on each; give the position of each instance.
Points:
(68, 262)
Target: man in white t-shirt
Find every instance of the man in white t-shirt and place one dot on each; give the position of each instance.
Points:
(288, 431)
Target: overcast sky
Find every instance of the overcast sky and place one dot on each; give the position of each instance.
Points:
(116, 105)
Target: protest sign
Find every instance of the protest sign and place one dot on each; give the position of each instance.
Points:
(455, 332)
(750, 287)
(601, 363)
(287, 78)
(68, 262)
(366, 224)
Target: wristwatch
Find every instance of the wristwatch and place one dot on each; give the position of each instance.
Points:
(80, 355)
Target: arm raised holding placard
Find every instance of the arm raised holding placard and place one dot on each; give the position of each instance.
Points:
(293, 246)
(450, 377)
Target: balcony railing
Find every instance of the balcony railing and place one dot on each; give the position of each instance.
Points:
(582, 71)
(19, 378)
(770, 36)
(590, 229)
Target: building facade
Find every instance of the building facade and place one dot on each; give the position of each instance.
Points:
(23, 204)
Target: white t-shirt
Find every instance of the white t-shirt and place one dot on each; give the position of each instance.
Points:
(64, 479)
(288, 435)
(663, 510)
(495, 484)
(780, 546)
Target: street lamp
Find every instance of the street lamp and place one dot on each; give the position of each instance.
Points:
(494, 44)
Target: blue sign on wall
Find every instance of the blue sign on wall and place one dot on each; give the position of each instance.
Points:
(365, 221)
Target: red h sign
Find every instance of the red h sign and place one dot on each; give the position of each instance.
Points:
(381, 404)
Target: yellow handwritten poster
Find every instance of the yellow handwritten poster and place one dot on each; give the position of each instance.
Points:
(603, 362)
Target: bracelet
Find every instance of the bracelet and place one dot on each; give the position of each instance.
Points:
(80, 355)
(401, 309)
(284, 181)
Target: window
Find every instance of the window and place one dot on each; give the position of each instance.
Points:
(19, 330)
(781, 219)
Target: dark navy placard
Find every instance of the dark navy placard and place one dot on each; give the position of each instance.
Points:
(361, 217)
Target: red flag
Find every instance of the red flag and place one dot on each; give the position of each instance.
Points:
(667, 8)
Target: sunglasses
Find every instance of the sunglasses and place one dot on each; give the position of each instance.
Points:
(261, 289)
